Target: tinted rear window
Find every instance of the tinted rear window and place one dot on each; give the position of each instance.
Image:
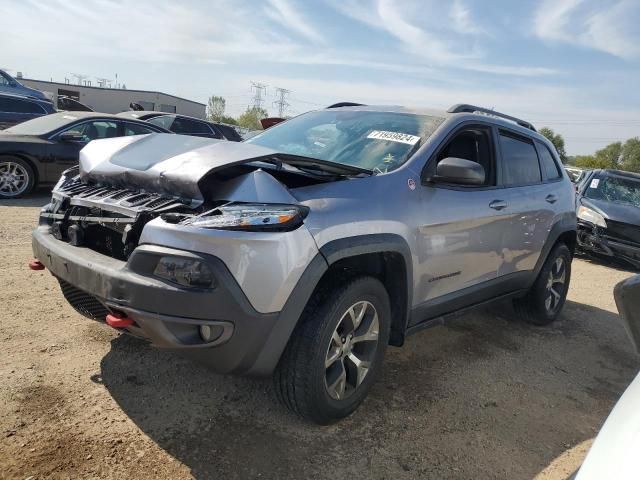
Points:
(519, 161)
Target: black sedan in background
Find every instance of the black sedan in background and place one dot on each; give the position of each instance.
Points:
(36, 152)
(608, 209)
(184, 125)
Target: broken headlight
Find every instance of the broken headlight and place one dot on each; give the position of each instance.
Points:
(251, 216)
(187, 272)
(591, 216)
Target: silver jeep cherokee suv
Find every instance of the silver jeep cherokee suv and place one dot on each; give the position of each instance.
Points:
(306, 250)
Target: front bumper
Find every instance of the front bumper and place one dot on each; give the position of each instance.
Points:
(594, 239)
(165, 314)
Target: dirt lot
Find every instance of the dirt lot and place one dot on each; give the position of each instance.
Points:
(484, 397)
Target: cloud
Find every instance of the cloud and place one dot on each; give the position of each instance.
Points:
(610, 27)
(284, 13)
(449, 36)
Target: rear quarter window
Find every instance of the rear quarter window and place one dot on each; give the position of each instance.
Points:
(548, 163)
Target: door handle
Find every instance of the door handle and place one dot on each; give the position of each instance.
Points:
(551, 198)
(498, 204)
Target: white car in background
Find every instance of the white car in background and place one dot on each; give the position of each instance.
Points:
(615, 454)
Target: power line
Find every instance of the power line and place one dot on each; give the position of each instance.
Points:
(282, 104)
(260, 89)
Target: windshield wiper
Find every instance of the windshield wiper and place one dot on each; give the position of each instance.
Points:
(326, 166)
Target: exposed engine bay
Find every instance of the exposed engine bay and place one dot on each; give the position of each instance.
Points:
(105, 203)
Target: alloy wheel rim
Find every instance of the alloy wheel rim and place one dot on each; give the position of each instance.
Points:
(14, 178)
(351, 350)
(555, 285)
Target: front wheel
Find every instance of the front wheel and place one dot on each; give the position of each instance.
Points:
(544, 301)
(16, 177)
(335, 352)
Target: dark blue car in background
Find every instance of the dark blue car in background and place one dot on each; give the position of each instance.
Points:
(16, 109)
(8, 84)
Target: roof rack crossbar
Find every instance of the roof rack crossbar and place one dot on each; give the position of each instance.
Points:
(466, 108)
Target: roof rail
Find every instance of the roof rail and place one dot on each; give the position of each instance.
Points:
(465, 108)
(346, 104)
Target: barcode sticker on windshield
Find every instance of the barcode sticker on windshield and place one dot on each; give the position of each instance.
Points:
(594, 183)
(394, 137)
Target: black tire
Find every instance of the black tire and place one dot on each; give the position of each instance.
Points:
(300, 380)
(534, 307)
(27, 177)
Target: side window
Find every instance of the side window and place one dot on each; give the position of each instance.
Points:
(15, 105)
(4, 81)
(549, 165)
(519, 161)
(186, 126)
(229, 133)
(473, 144)
(95, 130)
(134, 129)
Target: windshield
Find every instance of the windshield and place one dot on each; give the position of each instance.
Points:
(615, 189)
(378, 141)
(42, 125)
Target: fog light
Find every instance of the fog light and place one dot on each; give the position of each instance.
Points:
(187, 272)
(206, 333)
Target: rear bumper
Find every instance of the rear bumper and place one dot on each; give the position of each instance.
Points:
(595, 239)
(169, 316)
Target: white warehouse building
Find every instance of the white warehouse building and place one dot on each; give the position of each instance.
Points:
(116, 100)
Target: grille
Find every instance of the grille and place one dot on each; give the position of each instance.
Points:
(623, 232)
(116, 199)
(82, 302)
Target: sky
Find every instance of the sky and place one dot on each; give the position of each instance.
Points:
(571, 65)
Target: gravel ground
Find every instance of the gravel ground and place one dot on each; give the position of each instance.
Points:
(483, 397)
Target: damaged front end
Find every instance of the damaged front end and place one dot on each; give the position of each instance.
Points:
(174, 240)
(121, 185)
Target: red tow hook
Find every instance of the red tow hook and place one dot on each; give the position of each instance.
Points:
(36, 265)
(117, 320)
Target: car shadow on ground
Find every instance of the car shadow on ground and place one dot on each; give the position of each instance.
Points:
(455, 401)
(37, 198)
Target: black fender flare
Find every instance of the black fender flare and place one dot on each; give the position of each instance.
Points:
(329, 254)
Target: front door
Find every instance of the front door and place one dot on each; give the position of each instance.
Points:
(64, 154)
(460, 235)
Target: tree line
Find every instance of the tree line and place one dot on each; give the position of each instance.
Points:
(216, 112)
(616, 155)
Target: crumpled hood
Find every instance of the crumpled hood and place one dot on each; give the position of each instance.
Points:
(618, 212)
(163, 163)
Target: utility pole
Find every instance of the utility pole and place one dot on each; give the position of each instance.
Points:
(79, 78)
(281, 102)
(260, 89)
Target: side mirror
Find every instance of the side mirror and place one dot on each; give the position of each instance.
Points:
(72, 137)
(459, 171)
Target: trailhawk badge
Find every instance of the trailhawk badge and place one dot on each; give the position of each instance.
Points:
(411, 183)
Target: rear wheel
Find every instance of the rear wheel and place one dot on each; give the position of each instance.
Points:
(16, 177)
(335, 352)
(545, 299)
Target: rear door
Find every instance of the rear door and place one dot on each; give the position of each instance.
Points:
(529, 202)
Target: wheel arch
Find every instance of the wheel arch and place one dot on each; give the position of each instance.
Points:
(563, 231)
(384, 256)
